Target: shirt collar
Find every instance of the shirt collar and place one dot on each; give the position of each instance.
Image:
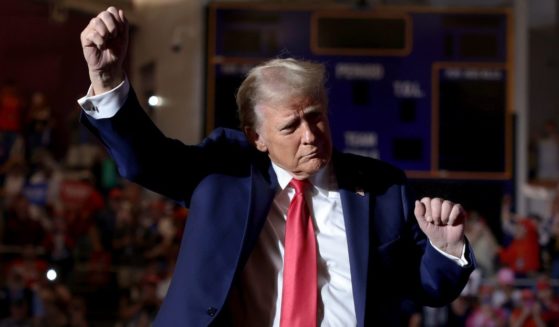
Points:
(323, 181)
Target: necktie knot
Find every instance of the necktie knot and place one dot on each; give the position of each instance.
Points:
(300, 185)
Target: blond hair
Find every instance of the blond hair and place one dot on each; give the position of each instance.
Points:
(277, 81)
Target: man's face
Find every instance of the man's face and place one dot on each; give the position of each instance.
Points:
(295, 135)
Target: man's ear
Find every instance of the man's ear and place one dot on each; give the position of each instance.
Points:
(256, 139)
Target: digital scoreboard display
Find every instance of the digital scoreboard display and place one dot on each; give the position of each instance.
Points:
(425, 89)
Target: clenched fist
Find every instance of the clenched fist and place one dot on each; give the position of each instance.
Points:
(104, 43)
(443, 223)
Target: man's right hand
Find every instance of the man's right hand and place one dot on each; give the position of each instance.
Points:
(104, 43)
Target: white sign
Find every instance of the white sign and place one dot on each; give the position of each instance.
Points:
(407, 89)
(359, 71)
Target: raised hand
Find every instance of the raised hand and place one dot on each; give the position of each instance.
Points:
(443, 223)
(104, 43)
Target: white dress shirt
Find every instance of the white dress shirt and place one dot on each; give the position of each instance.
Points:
(256, 299)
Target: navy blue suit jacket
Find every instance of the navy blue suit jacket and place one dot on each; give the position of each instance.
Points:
(229, 187)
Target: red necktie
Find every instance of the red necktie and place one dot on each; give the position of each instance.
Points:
(299, 297)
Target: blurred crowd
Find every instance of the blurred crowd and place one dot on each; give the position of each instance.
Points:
(79, 246)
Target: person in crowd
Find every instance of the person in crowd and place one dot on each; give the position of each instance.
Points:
(281, 229)
(19, 316)
(59, 246)
(57, 299)
(77, 313)
(548, 152)
(523, 253)
(552, 246)
(505, 295)
(17, 301)
(528, 312)
(11, 113)
(14, 181)
(483, 242)
(31, 267)
(39, 126)
(11, 108)
(106, 218)
(140, 310)
(485, 314)
(548, 301)
(23, 228)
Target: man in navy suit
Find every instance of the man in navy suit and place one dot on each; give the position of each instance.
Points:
(376, 247)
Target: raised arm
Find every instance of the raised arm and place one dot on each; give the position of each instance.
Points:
(105, 43)
(141, 151)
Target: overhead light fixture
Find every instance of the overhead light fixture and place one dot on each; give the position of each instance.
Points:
(155, 101)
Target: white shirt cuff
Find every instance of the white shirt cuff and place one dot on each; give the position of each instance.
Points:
(462, 262)
(105, 105)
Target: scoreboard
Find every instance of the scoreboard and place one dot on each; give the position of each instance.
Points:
(426, 89)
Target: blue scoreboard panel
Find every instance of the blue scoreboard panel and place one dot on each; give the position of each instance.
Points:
(428, 90)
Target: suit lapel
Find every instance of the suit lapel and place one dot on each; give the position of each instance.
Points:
(262, 191)
(355, 205)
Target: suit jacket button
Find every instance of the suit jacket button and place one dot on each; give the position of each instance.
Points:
(212, 311)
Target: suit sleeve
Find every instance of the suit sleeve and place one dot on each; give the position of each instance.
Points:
(147, 157)
(439, 279)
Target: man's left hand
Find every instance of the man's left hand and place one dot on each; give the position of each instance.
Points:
(443, 223)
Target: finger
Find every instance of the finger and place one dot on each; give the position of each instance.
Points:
(92, 38)
(86, 42)
(99, 26)
(427, 203)
(436, 210)
(419, 210)
(457, 215)
(122, 17)
(110, 23)
(115, 13)
(419, 213)
(446, 207)
(117, 16)
(125, 26)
